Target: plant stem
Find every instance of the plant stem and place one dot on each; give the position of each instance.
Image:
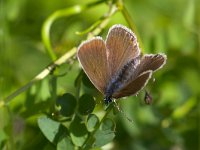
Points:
(56, 15)
(110, 107)
(40, 76)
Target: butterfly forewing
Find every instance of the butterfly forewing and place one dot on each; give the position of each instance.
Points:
(93, 58)
(122, 47)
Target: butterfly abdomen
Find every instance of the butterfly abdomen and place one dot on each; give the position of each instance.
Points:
(122, 77)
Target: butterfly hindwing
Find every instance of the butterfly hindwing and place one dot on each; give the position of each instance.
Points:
(141, 75)
(134, 86)
(152, 62)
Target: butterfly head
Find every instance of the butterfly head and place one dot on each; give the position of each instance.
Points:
(107, 99)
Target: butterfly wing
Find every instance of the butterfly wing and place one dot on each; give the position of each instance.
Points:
(152, 62)
(122, 47)
(149, 62)
(143, 72)
(93, 58)
(134, 86)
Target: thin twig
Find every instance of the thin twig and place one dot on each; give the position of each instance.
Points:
(40, 76)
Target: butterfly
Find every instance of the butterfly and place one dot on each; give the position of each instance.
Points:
(116, 66)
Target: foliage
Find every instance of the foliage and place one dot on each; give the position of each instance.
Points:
(60, 109)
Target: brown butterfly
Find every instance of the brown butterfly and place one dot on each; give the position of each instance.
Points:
(116, 66)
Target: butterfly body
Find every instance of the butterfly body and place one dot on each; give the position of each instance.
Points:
(121, 78)
(116, 66)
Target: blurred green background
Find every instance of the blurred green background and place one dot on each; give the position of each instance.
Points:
(168, 26)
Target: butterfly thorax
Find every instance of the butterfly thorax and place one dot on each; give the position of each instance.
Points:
(120, 79)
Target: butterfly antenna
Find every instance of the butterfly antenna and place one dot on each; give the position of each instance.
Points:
(121, 111)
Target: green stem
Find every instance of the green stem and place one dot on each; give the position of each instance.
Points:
(56, 15)
(53, 84)
(113, 9)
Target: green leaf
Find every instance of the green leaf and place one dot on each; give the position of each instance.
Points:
(67, 103)
(65, 143)
(51, 129)
(48, 146)
(78, 131)
(105, 134)
(92, 122)
(86, 104)
(108, 124)
(86, 81)
(78, 79)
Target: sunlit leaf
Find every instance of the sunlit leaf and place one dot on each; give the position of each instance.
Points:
(65, 143)
(51, 129)
(92, 122)
(105, 134)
